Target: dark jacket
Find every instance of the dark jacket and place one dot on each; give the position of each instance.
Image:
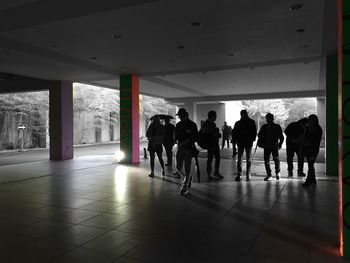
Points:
(169, 133)
(155, 135)
(226, 131)
(293, 132)
(244, 132)
(186, 134)
(271, 136)
(312, 141)
(212, 132)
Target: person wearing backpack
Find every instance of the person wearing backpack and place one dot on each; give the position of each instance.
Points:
(270, 137)
(244, 133)
(211, 133)
(186, 134)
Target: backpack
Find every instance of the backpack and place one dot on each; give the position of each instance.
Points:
(203, 139)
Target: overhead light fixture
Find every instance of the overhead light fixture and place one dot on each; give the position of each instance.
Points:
(231, 54)
(180, 47)
(117, 36)
(171, 61)
(301, 30)
(56, 46)
(93, 58)
(8, 53)
(303, 46)
(296, 7)
(195, 24)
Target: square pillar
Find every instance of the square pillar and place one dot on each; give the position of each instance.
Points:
(344, 124)
(61, 120)
(329, 71)
(130, 118)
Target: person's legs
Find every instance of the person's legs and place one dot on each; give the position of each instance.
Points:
(217, 162)
(311, 176)
(239, 160)
(160, 158)
(169, 154)
(187, 155)
(210, 152)
(290, 155)
(248, 153)
(228, 143)
(223, 143)
(301, 158)
(276, 160)
(179, 160)
(267, 153)
(152, 157)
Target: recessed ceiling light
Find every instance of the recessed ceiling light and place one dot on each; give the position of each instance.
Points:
(251, 68)
(296, 7)
(93, 58)
(171, 61)
(56, 46)
(180, 47)
(306, 62)
(301, 30)
(303, 46)
(195, 24)
(117, 36)
(8, 53)
(231, 54)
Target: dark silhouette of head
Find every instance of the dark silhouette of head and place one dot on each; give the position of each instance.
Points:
(303, 122)
(244, 114)
(156, 120)
(182, 113)
(269, 118)
(225, 123)
(313, 120)
(212, 115)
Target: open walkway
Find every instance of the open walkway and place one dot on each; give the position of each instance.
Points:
(92, 209)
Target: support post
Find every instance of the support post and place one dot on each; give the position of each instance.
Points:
(61, 120)
(130, 118)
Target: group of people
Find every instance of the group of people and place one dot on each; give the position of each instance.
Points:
(303, 139)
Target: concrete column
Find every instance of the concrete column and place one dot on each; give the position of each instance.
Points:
(329, 78)
(190, 107)
(130, 118)
(61, 120)
(344, 124)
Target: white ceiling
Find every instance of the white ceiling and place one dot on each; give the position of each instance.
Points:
(57, 40)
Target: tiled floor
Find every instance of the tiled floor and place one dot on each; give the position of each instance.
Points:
(91, 209)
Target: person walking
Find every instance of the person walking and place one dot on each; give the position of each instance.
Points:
(294, 132)
(226, 133)
(186, 134)
(212, 134)
(270, 137)
(155, 135)
(311, 147)
(244, 133)
(169, 141)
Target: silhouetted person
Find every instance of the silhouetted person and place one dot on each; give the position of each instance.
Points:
(271, 138)
(213, 134)
(169, 141)
(311, 147)
(244, 134)
(234, 143)
(155, 135)
(226, 133)
(186, 134)
(294, 133)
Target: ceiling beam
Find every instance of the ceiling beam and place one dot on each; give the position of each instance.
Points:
(254, 96)
(233, 66)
